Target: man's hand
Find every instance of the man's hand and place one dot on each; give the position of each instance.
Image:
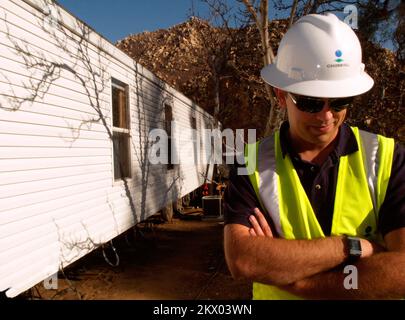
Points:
(260, 225)
(370, 248)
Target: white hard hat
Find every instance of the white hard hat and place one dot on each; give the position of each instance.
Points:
(319, 56)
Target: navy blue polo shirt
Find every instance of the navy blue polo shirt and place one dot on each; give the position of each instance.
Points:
(319, 182)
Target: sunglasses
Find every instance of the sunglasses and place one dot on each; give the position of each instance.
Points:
(314, 105)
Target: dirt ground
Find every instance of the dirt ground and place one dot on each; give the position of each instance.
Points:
(180, 260)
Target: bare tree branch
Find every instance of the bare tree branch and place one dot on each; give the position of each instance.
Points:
(292, 14)
(252, 11)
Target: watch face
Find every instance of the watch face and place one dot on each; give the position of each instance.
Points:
(354, 247)
(354, 252)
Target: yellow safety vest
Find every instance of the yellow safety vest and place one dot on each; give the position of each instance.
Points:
(361, 186)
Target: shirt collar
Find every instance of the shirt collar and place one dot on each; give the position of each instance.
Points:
(347, 142)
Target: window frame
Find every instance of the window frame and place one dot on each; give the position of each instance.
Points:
(121, 132)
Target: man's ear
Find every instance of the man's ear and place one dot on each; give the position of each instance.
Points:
(281, 97)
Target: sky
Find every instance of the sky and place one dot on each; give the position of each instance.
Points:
(116, 19)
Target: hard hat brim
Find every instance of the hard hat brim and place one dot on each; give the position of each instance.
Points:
(318, 88)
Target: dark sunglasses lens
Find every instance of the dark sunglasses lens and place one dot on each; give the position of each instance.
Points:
(340, 104)
(311, 105)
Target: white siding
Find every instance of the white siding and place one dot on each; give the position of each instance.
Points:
(58, 197)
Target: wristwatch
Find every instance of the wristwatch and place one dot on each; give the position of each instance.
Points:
(354, 246)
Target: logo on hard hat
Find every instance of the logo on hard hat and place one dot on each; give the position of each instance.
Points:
(339, 60)
(338, 54)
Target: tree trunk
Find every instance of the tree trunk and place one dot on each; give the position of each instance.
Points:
(262, 23)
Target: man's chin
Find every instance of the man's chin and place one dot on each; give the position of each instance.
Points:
(323, 138)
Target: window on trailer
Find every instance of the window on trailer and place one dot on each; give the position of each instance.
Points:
(121, 130)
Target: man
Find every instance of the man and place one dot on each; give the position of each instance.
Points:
(322, 195)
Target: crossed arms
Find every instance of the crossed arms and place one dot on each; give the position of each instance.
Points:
(311, 268)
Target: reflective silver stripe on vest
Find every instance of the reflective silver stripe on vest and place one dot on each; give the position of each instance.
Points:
(268, 188)
(370, 159)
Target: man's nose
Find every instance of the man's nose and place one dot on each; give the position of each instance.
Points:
(326, 112)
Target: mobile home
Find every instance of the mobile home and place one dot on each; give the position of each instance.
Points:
(75, 120)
